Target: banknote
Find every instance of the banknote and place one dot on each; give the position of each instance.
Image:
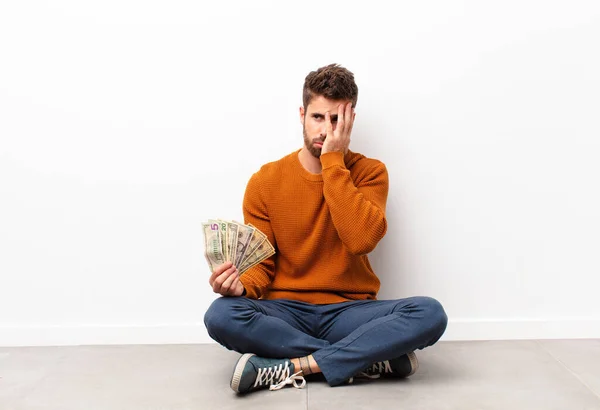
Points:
(245, 234)
(232, 236)
(212, 240)
(257, 239)
(223, 237)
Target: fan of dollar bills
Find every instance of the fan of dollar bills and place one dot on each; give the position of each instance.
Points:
(243, 245)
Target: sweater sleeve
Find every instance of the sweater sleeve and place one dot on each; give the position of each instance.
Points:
(259, 277)
(358, 212)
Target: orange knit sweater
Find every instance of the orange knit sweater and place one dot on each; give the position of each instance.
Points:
(321, 225)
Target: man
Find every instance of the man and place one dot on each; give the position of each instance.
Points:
(312, 308)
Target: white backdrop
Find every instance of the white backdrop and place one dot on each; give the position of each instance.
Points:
(124, 124)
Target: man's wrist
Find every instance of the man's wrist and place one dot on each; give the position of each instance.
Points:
(332, 158)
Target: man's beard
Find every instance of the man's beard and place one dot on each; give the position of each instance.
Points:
(316, 152)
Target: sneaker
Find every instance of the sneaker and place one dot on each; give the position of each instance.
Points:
(252, 373)
(400, 367)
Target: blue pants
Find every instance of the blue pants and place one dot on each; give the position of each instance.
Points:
(344, 338)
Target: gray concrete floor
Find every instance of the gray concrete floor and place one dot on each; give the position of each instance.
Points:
(557, 374)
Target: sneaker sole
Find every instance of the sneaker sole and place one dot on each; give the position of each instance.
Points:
(414, 363)
(239, 369)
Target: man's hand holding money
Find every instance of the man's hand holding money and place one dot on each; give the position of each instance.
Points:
(229, 245)
(225, 280)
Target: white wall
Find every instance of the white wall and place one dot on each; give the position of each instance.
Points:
(124, 124)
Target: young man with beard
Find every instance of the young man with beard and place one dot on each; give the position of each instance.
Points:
(312, 307)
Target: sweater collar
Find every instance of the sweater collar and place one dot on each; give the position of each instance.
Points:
(349, 159)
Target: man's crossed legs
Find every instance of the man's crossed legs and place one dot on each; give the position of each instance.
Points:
(340, 340)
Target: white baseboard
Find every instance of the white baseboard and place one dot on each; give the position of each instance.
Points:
(516, 329)
(193, 333)
(75, 335)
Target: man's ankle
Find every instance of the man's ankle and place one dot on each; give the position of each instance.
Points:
(296, 363)
(306, 364)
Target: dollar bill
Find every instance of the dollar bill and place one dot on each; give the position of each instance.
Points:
(232, 238)
(212, 241)
(244, 236)
(223, 237)
(255, 241)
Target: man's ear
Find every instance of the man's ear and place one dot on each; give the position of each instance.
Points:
(301, 115)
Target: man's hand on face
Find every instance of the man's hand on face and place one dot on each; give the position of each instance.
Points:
(339, 140)
(225, 280)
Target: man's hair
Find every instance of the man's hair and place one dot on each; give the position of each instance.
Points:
(333, 82)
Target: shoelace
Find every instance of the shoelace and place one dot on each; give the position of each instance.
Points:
(375, 371)
(278, 377)
(381, 367)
